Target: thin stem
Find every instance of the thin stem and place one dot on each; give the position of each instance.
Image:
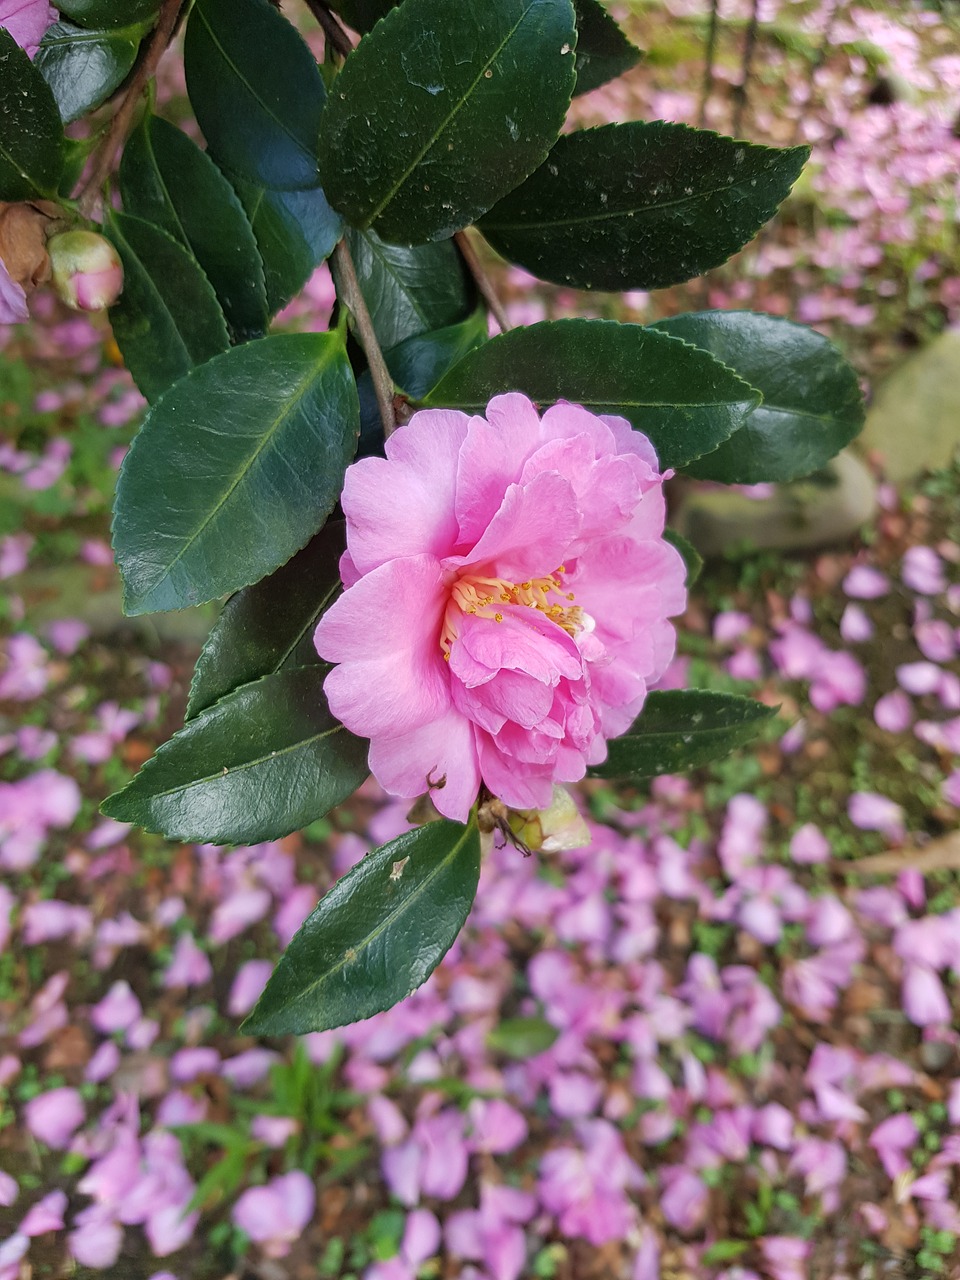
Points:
(740, 92)
(356, 305)
(483, 281)
(709, 58)
(160, 38)
(331, 27)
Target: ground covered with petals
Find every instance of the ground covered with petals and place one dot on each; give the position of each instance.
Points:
(720, 1043)
(723, 1036)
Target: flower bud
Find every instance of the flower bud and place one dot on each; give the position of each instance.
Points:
(551, 830)
(87, 273)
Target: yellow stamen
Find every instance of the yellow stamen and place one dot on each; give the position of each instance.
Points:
(475, 594)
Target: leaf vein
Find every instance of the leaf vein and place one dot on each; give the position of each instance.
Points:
(389, 919)
(404, 177)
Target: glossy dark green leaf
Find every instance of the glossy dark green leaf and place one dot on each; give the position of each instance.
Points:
(522, 1037)
(681, 729)
(256, 91)
(166, 179)
(361, 15)
(108, 13)
(377, 935)
(812, 404)
(270, 625)
(168, 319)
(234, 469)
(603, 51)
(685, 404)
(295, 231)
(691, 556)
(417, 365)
(473, 106)
(640, 205)
(268, 759)
(31, 131)
(83, 67)
(409, 290)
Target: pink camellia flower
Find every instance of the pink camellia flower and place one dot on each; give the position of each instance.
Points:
(27, 21)
(506, 604)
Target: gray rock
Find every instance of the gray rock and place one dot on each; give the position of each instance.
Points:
(913, 424)
(822, 510)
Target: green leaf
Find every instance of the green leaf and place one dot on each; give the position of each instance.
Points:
(234, 469)
(84, 67)
(31, 132)
(473, 107)
(691, 556)
(166, 179)
(167, 320)
(416, 365)
(603, 51)
(812, 404)
(108, 13)
(420, 362)
(725, 1251)
(256, 91)
(295, 231)
(376, 936)
(640, 205)
(681, 729)
(269, 626)
(522, 1037)
(409, 290)
(361, 15)
(685, 405)
(266, 760)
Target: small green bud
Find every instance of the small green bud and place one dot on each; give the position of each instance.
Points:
(87, 272)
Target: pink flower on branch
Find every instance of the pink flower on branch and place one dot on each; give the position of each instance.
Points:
(27, 21)
(508, 590)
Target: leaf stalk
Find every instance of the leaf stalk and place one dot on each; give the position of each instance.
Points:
(482, 280)
(357, 306)
(89, 191)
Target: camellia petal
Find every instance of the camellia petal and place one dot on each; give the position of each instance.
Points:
(13, 300)
(442, 754)
(508, 590)
(403, 505)
(383, 632)
(27, 21)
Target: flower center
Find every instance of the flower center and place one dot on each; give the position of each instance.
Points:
(482, 596)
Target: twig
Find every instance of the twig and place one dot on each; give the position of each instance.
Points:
(354, 300)
(740, 92)
(938, 855)
(331, 27)
(162, 33)
(483, 281)
(709, 56)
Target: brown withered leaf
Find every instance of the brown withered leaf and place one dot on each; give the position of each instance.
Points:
(23, 242)
(69, 1049)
